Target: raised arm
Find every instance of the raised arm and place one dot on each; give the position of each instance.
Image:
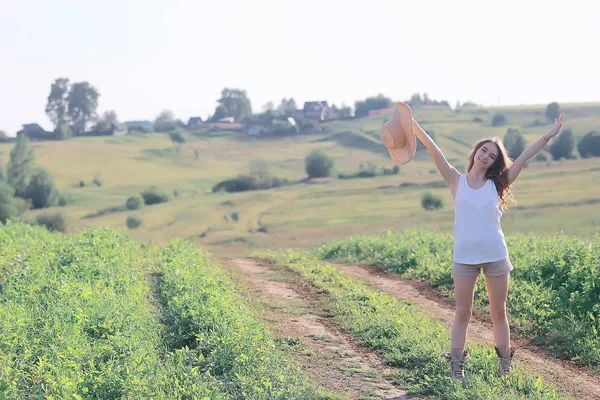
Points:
(448, 172)
(515, 169)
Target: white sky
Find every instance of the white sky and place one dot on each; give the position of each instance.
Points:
(147, 55)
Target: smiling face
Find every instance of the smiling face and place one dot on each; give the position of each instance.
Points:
(485, 156)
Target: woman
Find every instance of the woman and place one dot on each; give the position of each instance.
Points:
(480, 196)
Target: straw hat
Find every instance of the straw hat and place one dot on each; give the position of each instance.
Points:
(397, 135)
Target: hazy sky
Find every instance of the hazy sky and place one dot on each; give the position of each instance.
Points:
(146, 55)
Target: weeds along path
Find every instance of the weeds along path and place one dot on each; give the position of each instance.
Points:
(581, 384)
(298, 316)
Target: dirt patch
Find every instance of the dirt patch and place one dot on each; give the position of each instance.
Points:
(332, 358)
(578, 382)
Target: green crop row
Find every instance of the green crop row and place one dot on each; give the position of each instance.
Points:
(408, 339)
(99, 316)
(554, 293)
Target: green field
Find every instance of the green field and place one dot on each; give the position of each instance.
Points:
(97, 315)
(551, 197)
(124, 313)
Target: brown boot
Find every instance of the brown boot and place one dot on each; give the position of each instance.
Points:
(505, 356)
(457, 360)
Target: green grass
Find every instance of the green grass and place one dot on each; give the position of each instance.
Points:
(554, 289)
(408, 339)
(129, 165)
(98, 315)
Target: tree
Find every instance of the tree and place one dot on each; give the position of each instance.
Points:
(3, 137)
(178, 140)
(42, 190)
(361, 108)
(105, 122)
(83, 101)
(589, 145)
(318, 164)
(498, 119)
(563, 145)
(552, 111)
(57, 107)
(269, 106)
(235, 103)
(21, 162)
(8, 208)
(110, 117)
(345, 111)
(165, 122)
(63, 132)
(514, 143)
(287, 107)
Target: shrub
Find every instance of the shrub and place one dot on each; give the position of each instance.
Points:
(589, 145)
(249, 182)
(134, 203)
(477, 119)
(552, 111)
(133, 222)
(42, 190)
(429, 201)
(514, 143)
(63, 132)
(153, 195)
(54, 222)
(563, 145)
(318, 164)
(8, 208)
(498, 119)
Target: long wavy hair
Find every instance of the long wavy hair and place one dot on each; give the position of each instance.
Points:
(497, 171)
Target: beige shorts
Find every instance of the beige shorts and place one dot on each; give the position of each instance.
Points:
(493, 268)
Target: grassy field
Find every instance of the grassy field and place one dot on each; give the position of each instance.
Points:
(409, 340)
(554, 289)
(98, 315)
(552, 197)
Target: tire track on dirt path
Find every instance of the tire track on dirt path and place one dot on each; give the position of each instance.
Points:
(334, 360)
(581, 384)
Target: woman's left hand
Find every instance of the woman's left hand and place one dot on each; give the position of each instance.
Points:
(557, 125)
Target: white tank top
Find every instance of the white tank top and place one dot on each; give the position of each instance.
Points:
(478, 236)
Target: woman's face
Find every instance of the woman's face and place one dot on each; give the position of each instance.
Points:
(485, 156)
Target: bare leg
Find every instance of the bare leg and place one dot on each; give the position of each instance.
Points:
(497, 287)
(464, 290)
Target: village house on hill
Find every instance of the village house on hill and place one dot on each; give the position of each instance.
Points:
(317, 110)
(194, 122)
(35, 132)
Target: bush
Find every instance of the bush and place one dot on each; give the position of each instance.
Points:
(153, 195)
(249, 182)
(134, 202)
(63, 132)
(477, 119)
(8, 207)
(563, 145)
(394, 171)
(318, 164)
(514, 143)
(54, 222)
(429, 201)
(42, 190)
(498, 119)
(63, 200)
(552, 111)
(133, 222)
(589, 145)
